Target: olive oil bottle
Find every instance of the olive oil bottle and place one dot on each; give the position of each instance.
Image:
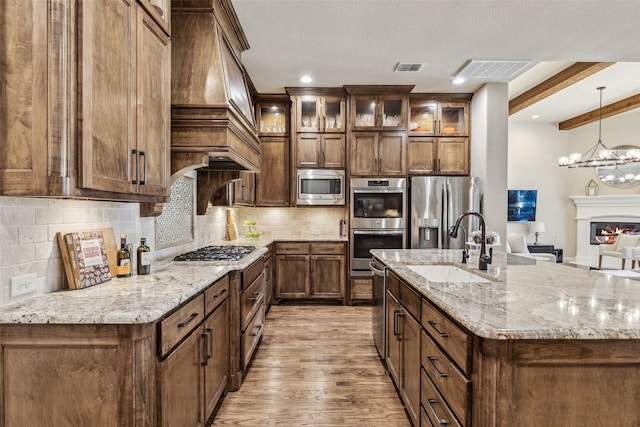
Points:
(143, 257)
(123, 267)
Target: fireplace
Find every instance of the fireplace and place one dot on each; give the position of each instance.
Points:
(608, 232)
(620, 210)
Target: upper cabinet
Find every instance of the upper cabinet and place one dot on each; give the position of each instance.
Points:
(319, 113)
(378, 107)
(272, 118)
(319, 125)
(430, 117)
(106, 138)
(160, 11)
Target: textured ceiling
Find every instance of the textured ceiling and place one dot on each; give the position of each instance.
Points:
(341, 42)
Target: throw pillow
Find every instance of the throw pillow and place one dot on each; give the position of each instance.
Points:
(518, 243)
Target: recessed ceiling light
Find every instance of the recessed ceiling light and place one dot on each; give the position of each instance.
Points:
(306, 79)
(458, 80)
(535, 116)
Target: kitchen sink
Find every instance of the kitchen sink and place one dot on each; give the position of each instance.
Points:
(447, 274)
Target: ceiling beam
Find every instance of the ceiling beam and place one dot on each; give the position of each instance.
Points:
(626, 104)
(556, 83)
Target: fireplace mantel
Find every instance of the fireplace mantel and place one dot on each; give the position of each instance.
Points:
(623, 208)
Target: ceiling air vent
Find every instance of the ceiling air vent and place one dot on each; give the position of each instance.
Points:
(492, 69)
(407, 67)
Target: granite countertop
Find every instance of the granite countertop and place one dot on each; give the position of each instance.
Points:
(137, 299)
(526, 299)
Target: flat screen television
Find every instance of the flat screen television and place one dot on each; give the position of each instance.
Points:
(521, 205)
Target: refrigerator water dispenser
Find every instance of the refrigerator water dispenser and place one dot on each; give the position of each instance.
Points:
(429, 233)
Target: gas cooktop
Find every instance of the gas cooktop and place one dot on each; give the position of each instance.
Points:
(216, 253)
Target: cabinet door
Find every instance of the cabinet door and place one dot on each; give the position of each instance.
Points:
(151, 169)
(422, 152)
(392, 154)
(245, 189)
(364, 112)
(23, 81)
(272, 119)
(453, 156)
(292, 276)
(272, 183)
(423, 118)
(453, 119)
(394, 337)
(308, 114)
(392, 112)
(361, 289)
(180, 384)
(216, 334)
(333, 151)
(106, 111)
(327, 276)
(363, 153)
(333, 114)
(410, 371)
(308, 150)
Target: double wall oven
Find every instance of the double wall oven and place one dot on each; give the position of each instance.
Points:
(378, 219)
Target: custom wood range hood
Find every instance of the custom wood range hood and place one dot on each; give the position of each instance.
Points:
(213, 127)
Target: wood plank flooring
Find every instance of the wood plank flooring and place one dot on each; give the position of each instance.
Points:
(316, 366)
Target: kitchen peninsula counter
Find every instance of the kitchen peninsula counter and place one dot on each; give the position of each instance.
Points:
(539, 344)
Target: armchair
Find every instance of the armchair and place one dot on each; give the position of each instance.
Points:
(517, 244)
(623, 248)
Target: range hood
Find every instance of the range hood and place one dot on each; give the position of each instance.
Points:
(212, 119)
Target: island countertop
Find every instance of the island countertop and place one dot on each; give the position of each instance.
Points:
(526, 299)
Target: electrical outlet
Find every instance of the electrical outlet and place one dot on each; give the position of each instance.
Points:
(22, 285)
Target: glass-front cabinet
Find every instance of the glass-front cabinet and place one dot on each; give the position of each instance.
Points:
(160, 10)
(319, 114)
(273, 119)
(378, 112)
(428, 117)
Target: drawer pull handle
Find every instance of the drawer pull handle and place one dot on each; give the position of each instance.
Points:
(189, 320)
(441, 421)
(255, 334)
(433, 325)
(432, 360)
(219, 294)
(205, 346)
(257, 297)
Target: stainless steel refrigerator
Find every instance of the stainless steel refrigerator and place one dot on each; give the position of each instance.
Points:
(436, 203)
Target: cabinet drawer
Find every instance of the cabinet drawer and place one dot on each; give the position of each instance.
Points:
(286, 248)
(410, 299)
(215, 294)
(434, 406)
(250, 299)
(178, 325)
(251, 336)
(250, 273)
(452, 384)
(453, 340)
(327, 248)
(393, 284)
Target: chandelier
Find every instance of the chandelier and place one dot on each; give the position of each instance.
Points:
(600, 155)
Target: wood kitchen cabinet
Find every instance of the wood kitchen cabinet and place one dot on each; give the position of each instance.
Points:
(318, 120)
(378, 112)
(245, 189)
(361, 289)
(272, 185)
(403, 343)
(378, 153)
(431, 115)
(310, 270)
(107, 137)
(438, 156)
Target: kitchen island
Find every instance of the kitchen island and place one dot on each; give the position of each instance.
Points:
(524, 343)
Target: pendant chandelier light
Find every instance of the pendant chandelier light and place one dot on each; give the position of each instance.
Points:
(599, 155)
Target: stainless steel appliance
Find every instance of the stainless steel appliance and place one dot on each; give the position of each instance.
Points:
(436, 202)
(378, 219)
(378, 318)
(320, 187)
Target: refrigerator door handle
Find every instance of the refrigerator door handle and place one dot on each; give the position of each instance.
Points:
(444, 215)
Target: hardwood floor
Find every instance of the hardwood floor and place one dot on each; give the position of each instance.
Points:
(316, 366)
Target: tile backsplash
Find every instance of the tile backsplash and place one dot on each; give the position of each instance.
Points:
(28, 228)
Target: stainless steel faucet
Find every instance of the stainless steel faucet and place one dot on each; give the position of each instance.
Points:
(485, 258)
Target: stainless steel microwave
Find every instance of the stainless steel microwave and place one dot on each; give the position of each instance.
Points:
(321, 187)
